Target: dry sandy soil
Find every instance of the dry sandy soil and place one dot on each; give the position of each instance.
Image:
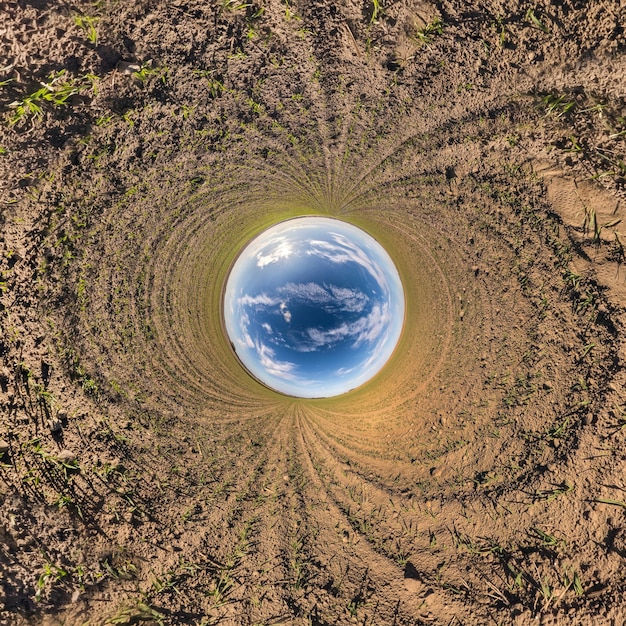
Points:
(481, 479)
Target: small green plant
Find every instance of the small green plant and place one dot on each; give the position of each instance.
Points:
(375, 11)
(146, 71)
(289, 14)
(536, 22)
(165, 583)
(360, 598)
(520, 577)
(571, 580)
(425, 35)
(619, 503)
(56, 92)
(576, 147)
(586, 350)
(221, 587)
(617, 252)
(90, 386)
(591, 225)
(44, 396)
(103, 120)
(547, 539)
(51, 574)
(551, 494)
(618, 165)
(235, 5)
(572, 279)
(88, 25)
(216, 87)
(140, 611)
(255, 107)
(35, 446)
(296, 563)
(120, 569)
(559, 430)
(67, 502)
(546, 589)
(128, 117)
(557, 105)
(499, 27)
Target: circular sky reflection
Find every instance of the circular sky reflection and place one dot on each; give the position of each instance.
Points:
(313, 307)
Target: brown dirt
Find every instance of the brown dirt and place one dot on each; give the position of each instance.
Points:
(145, 478)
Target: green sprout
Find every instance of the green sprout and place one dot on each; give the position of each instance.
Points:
(146, 71)
(427, 33)
(557, 106)
(375, 10)
(536, 22)
(56, 92)
(88, 24)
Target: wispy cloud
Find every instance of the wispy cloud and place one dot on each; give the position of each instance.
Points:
(285, 312)
(352, 300)
(328, 297)
(371, 327)
(342, 250)
(245, 340)
(260, 300)
(274, 367)
(275, 250)
(366, 329)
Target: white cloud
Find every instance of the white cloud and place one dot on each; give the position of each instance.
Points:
(332, 296)
(285, 312)
(321, 338)
(245, 339)
(344, 251)
(257, 301)
(310, 292)
(274, 367)
(374, 324)
(352, 300)
(366, 329)
(280, 249)
(328, 297)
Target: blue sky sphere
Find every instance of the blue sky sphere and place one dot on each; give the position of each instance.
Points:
(313, 307)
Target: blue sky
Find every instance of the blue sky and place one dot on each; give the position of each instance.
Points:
(314, 307)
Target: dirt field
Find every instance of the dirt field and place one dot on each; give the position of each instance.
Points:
(480, 479)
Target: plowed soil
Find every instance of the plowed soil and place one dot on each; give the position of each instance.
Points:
(145, 477)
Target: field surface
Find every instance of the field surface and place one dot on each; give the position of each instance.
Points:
(145, 478)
